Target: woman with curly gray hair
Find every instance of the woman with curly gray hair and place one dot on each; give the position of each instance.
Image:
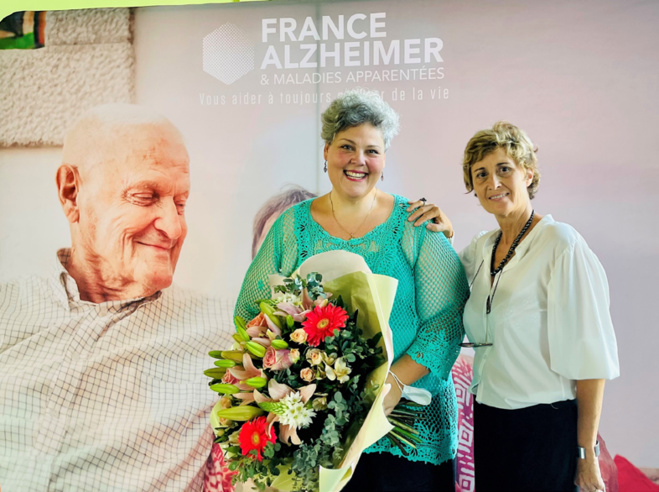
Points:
(426, 319)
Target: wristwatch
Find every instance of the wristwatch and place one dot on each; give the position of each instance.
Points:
(581, 451)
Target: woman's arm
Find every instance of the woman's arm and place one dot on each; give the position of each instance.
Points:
(268, 261)
(582, 344)
(407, 371)
(581, 341)
(440, 293)
(589, 402)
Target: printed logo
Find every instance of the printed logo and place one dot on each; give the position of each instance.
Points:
(228, 54)
(294, 56)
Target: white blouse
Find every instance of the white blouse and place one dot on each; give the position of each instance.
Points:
(549, 321)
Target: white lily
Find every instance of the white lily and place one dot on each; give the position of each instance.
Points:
(341, 371)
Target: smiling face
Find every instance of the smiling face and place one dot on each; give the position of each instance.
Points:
(355, 160)
(131, 224)
(501, 184)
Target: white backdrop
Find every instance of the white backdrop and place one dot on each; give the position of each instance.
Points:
(579, 77)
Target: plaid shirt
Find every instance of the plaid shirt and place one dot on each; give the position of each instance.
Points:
(107, 396)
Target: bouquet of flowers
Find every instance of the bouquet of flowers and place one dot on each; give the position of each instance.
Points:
(302, 386)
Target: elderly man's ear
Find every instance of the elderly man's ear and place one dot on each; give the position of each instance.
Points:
(68, 185)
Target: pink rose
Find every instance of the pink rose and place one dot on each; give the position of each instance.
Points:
(307, 374)
(277, 359)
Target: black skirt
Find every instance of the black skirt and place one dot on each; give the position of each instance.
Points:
(529, 449)
(384, 472)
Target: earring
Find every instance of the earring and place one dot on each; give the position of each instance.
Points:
(325, 167)
(382, 176)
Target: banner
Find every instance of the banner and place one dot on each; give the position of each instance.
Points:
(246, 84)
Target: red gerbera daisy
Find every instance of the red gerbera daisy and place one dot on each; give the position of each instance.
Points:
(255, 434)
(322, 322)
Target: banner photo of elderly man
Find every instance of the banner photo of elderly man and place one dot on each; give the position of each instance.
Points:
(149, 155)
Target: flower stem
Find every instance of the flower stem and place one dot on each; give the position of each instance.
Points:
(400, 437)
(401, 425)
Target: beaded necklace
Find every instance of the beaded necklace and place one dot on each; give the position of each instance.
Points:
(503, 263)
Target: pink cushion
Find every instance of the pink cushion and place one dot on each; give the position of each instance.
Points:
(631, 479)
(217, 477)
(462, 375)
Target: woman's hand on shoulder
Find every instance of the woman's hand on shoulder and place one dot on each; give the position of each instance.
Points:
(423, 211)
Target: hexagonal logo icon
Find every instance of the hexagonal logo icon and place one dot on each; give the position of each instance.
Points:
(228, 53)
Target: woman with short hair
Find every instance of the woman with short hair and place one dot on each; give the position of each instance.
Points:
(538, 319)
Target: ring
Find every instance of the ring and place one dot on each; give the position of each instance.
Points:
(423, 200)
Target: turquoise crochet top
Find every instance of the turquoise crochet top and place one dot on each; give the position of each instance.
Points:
(426, 318)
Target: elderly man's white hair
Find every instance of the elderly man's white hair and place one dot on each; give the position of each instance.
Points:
(109, 130)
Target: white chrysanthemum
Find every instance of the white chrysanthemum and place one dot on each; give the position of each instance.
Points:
(295, 412)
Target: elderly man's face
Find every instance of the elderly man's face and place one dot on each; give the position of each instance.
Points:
(132, 220)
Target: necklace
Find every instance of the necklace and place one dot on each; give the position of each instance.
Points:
(503, 263)
(352, 235)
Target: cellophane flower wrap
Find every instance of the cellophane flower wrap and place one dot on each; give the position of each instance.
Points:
(302, 387)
